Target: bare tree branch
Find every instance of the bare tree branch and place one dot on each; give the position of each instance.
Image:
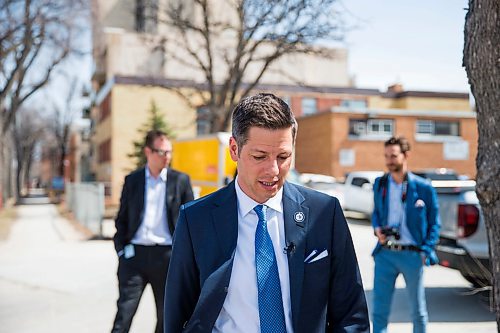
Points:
(37, 36)
(27, 132)
(234, 51)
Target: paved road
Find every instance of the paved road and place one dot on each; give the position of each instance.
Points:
(54, 280)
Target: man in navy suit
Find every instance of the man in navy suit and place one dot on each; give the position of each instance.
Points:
(262, 254)
(145, 223)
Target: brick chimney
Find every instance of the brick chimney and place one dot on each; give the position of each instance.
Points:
(395, 88)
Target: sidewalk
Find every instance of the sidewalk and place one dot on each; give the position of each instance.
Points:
(53, 280)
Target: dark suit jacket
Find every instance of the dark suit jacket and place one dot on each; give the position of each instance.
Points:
(131, 209)
(326, 295)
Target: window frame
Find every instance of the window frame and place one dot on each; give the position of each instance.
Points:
(363, 129)
(304, 108)
(433, 128)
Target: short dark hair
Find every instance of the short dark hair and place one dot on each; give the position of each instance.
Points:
(152, 135)
(263, 110)
(400, 141)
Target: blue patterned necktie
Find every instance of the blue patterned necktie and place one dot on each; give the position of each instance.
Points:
(271, 314)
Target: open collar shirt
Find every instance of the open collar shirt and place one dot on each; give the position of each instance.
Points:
(154, 228)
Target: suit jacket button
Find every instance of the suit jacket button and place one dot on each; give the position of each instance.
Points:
(226, 289)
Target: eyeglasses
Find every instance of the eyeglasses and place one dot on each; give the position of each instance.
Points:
(161, 152)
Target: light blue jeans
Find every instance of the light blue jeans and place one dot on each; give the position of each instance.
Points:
(388, 265)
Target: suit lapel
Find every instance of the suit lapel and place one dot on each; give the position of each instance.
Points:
(225, 220)
(296, 218)
(141, 185)
(410, 202)
(171, 182)
(169, 198)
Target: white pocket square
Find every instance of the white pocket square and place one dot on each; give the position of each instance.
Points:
(419, 203)
(315, 255)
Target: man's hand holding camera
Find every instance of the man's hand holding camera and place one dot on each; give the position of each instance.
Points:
(381, 237)
(387, 233)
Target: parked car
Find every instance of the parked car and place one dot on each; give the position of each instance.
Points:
(437, 174)
(322, 183)
(356, 193)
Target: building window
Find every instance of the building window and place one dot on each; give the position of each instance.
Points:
(379, 126)
(355, 104)
(371, 127)
(105, 108)
(140, 16)
(202, 120)
(425, 127)
(105, 151)
(309, 106)
(359, 182)
(438, 128)
(146, 16)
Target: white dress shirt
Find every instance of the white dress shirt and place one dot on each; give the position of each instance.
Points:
(396, 216)
(240, 311)
(154, 228)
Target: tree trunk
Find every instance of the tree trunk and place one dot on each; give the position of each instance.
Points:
(482, 63)
(19, 171)
(60, 168)
(6, 165)
(27, 168)
(3, 194)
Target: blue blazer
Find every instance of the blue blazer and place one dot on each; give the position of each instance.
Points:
(422, 213)
(326, 295)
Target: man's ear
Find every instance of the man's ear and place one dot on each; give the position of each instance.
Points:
(233, 149)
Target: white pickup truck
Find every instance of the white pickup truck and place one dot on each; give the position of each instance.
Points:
(356, 192)
(463, 243)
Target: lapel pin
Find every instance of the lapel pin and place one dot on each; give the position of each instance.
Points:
(299, 217)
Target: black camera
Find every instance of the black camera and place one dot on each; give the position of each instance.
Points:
(391, 231)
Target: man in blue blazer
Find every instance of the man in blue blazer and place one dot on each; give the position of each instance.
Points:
(406, 223)
(264, 255)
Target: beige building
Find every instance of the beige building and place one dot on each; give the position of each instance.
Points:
(127, 42)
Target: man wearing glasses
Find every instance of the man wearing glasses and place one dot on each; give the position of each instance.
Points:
(149, 206)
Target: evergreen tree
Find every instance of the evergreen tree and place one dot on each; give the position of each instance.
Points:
(156, 121)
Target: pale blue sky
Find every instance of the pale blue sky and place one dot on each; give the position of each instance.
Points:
(417, 43)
